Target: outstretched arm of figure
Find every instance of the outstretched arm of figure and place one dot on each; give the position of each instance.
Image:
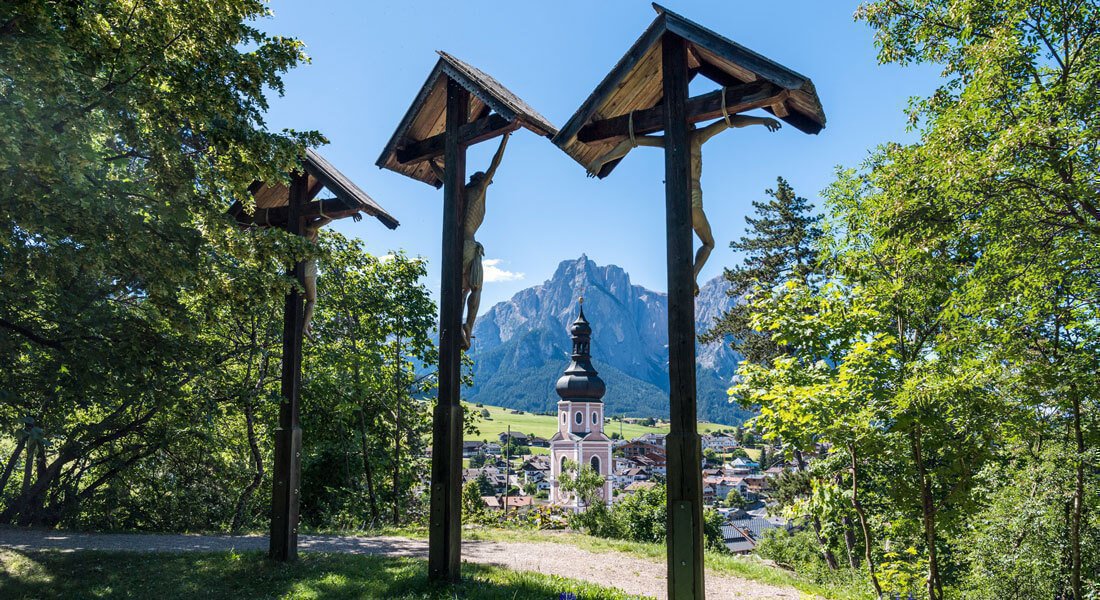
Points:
(496, 159)
(736, 121)
(438, 170)
(621, 150)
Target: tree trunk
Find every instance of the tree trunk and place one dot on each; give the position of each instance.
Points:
(368, 470)
(9, 467)
(928, 512)
(399, 396)
(850, 542)
(863, 521)
(28, 463)
(1078, 501)
(826, 552)
(26, 508)
(258, 465)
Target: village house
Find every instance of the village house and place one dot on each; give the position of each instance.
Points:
(657, 439)
(742, 466)
(535, 469)
(640, 485)
(512, 503)
(654, 463)
(470, 449)
(640, 448)
(719, 442)
(519, 438)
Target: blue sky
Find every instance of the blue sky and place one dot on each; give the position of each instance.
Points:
(370, 58)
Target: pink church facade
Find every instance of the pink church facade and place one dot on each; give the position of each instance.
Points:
(580, 437)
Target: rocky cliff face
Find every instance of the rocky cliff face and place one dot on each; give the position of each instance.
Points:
(521, 345)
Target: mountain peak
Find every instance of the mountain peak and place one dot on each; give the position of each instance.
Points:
(527, 336)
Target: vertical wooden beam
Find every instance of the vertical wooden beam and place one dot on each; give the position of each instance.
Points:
(283, 544)
(445, 526)
(684, 480)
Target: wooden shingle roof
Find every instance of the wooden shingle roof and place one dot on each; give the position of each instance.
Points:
(273, 200)
(426, 117)
(634, 84)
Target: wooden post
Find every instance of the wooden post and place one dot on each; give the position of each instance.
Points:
(684, 540)
(288, 437)
(445, 526)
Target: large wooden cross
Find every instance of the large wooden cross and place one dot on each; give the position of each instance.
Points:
(289, 206)
(457, 107)
(646, 92)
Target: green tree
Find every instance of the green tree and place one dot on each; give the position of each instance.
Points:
(780, 244)
(1006, 164)
(734, 499)
(128, 129)
(473, 509)
(484, 486)
(368, 426)
(583, 481)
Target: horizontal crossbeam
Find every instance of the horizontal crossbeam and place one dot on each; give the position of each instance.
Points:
(739, 98)
(471, 133)
(333, 208)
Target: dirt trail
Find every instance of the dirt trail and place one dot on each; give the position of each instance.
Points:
(632, 574)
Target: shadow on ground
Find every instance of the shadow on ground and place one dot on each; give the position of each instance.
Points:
(162, 576)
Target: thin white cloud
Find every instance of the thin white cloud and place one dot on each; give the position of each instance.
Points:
(494, 274)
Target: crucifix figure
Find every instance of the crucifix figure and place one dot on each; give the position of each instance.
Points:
(472, 251)
(312, 230)
(697, 137)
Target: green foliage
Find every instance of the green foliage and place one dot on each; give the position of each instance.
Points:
(734, 499)
(641, 517)
(780, 245)
(473, 509)
(583, 481)
(126, 130)
(953, 343)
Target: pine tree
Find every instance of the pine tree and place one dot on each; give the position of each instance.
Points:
(779, 245)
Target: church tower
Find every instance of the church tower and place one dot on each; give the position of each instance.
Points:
(580, 436)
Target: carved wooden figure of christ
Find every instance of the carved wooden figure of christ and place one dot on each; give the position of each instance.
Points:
(473, 276)
(696, 137)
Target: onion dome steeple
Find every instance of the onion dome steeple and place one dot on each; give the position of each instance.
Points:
(581, 382)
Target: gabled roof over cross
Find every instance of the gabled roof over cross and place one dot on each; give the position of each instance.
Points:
(493, 110)
(273, 199)
(749, 81)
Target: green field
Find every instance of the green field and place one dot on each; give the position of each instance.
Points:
(545, 425)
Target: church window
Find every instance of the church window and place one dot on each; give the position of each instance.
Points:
(593, 418)
(596, 463)
(580, 418)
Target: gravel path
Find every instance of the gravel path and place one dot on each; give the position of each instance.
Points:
(633, 575)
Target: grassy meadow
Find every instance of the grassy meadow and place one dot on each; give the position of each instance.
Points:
(545, 425)
(246, 575)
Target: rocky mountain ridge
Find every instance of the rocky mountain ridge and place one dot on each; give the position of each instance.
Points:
(522, 345)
